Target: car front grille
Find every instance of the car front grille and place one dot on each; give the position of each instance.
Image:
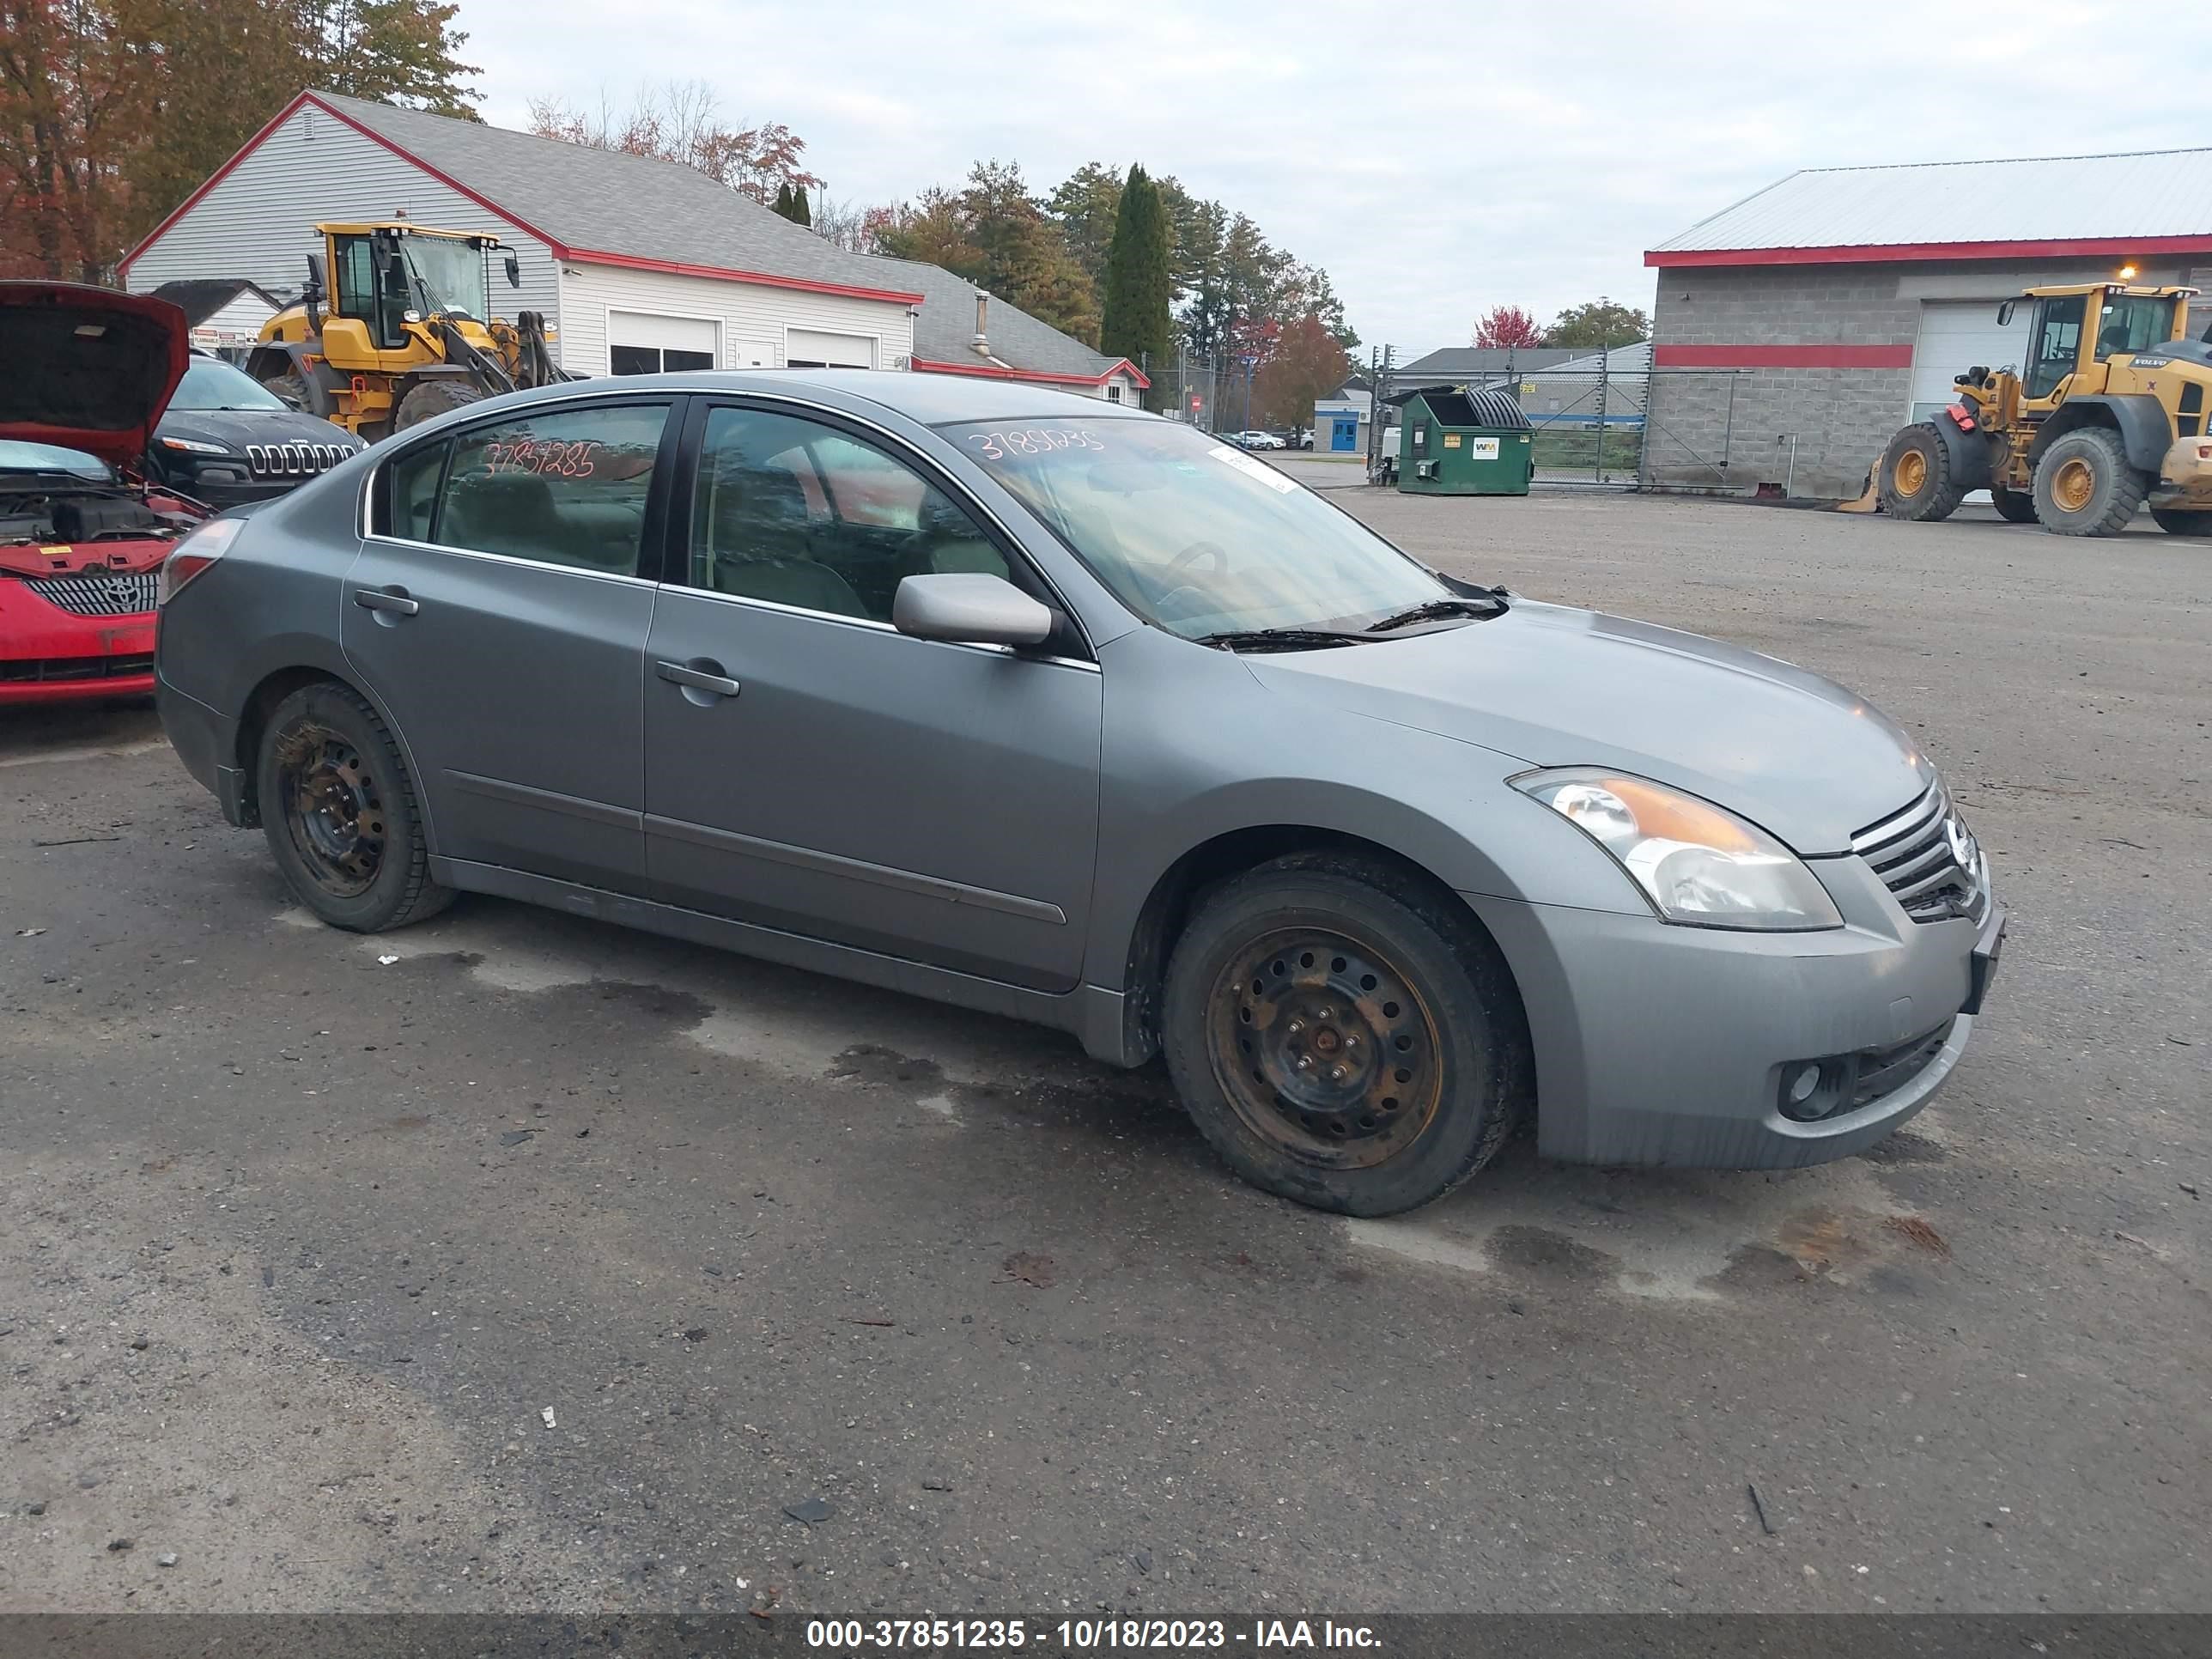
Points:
(62, 670)
(1928, 858)
(107, 593)
(293, 460)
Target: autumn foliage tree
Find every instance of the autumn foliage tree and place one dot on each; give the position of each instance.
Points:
(1508, 327)
(112, 111)
(1307, 364)
(681, 121)
(996, 233)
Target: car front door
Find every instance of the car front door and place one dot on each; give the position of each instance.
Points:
(809, 768)
(498, 613)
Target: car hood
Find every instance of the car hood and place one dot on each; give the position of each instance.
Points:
(88, 369)
(237, 427)
(1545, 685)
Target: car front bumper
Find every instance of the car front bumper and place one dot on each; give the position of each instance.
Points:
(51, 655)
(1666, 1045)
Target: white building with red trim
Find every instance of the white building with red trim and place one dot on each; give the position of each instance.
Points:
(1793, 332)
(639, 264)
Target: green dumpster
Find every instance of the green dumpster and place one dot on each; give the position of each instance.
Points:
(1454, 440)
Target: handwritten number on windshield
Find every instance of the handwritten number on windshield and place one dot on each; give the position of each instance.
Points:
(1034, 441)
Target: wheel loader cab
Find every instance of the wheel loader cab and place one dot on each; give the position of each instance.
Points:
(2057, 343)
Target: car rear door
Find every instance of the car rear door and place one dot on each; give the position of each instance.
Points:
(498, 613)
(811, 769)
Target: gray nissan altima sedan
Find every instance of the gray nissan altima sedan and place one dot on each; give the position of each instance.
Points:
(1039, 705)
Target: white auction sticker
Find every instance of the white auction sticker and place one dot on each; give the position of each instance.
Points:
(1267, 475)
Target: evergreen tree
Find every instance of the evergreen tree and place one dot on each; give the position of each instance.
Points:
(802, 212)
(782, 203)
(1137, 283)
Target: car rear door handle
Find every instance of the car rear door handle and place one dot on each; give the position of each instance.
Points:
(698, 679)
(393, 599)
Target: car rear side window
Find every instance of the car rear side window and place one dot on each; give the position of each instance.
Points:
(414, 486)
(797, 512)
(567, 488)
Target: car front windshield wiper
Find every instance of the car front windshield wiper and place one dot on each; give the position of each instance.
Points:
(1435, 609)
(1278, 639)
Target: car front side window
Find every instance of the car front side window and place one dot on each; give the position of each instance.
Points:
(568, 487)
(796, 512)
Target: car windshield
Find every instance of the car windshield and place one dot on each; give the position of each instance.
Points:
(452, 271)
(209, 383)
(1194, 535)
(50, 458)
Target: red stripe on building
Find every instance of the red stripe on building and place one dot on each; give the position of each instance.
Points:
(1782, 356)
(2091, 248)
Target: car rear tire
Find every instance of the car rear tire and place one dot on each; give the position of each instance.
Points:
(339, 812)
(1345, 1034)
(2084, 485)
(427, 399)
(2014, 506)
(2182, 521)
(1916, 477)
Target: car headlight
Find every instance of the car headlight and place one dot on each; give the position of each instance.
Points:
(194, 447)
(1698, 865)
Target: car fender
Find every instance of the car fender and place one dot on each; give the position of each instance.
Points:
(2145, 432)
(1181, 726)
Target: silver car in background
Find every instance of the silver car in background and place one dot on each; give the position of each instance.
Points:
(1034, 704)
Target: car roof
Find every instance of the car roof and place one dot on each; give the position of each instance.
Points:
(930, 399)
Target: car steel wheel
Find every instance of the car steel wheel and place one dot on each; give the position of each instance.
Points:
(1324, 1048)
(333, 812)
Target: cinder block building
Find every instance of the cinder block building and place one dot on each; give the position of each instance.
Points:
(1793, 332)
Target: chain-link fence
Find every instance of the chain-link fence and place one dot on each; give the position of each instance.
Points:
(1213, 393)
(1599, 427)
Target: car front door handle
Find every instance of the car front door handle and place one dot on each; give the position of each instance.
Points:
(709, 678)
(393, 599)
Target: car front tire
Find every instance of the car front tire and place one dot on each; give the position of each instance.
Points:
(1345, 1034)
(339, 810)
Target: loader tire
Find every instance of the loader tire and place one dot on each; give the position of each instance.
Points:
(2084, 485)
(289, 389)
(428, 399)
(2014, 506)
(1915, 476)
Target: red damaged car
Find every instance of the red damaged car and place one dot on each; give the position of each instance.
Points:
(88, 373)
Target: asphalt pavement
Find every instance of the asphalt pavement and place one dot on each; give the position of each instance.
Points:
(516, 1262)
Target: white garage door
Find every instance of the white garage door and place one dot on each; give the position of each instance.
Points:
(806, 348)
(1954, 335)
(640, 343)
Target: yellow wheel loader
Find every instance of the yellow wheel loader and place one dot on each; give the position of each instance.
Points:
(395, 325)
(2109, 415)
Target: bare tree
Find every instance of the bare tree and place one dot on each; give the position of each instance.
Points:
(681, 121)
(846, 223)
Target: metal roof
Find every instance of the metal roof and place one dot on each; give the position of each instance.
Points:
(1463, 361)
(2091, 205)
(591, 203)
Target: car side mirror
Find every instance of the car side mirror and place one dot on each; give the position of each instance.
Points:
(968, 607)
(2005, 314)
(513, 269)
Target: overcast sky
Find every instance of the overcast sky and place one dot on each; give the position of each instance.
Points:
(1436, 159)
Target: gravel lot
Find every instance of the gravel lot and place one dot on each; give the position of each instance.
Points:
(514, 1262)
